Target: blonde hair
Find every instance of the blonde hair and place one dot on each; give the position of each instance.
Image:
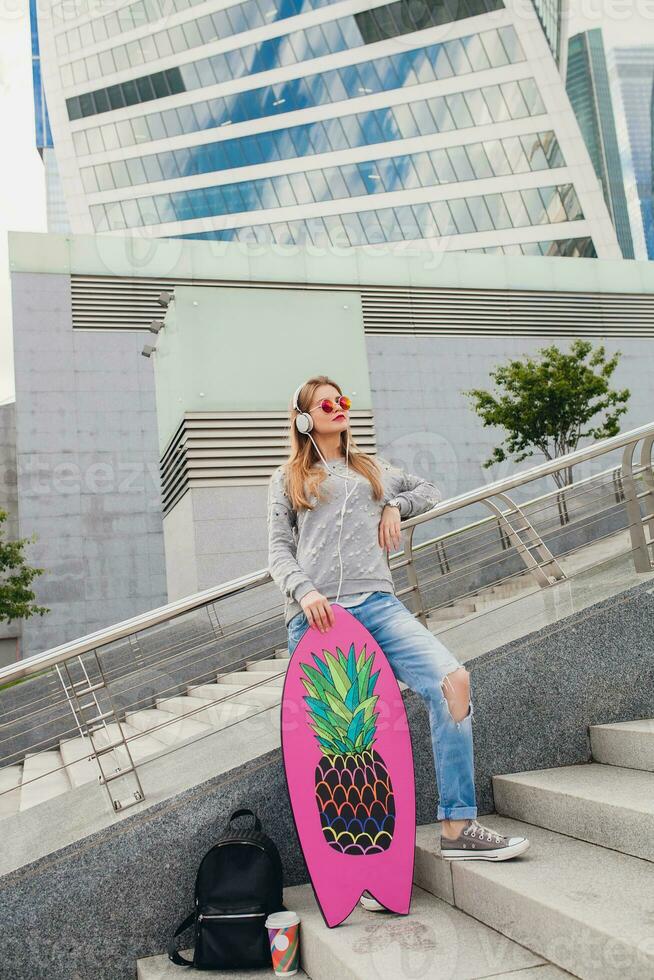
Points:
(303, 476)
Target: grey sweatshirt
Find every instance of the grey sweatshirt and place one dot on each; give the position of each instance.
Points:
(303, 546)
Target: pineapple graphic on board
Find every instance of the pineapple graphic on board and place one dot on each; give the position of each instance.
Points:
(354, 792)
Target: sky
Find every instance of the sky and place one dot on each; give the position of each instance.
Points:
(22, 190)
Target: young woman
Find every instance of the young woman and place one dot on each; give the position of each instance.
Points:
(314, 556)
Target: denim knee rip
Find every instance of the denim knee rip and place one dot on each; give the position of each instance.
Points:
(469, 712)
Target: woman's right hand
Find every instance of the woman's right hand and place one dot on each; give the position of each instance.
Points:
(317, 610)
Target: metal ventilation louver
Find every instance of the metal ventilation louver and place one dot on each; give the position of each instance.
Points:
(125, 303)
(119, 303)
(213, 449)
(506, 312)
(115, 303)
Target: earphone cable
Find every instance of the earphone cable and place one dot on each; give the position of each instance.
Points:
(345, 500)
(340, 532)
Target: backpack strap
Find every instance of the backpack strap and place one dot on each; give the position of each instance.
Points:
(173, 954)
(243, 810)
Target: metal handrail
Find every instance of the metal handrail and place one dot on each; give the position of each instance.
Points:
(161, 614)
(481, 522)
(536, 472)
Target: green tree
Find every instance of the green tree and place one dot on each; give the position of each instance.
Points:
(546, 403)
(16, 596)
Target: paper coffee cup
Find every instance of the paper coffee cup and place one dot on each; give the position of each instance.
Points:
(284, 935)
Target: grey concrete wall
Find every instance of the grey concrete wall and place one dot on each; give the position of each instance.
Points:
(9, 631)
(111, 898)
(425, 422)
(88, 474)
(8, 484)
(215, 534)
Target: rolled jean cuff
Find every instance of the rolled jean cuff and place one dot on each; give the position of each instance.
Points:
(456, 812)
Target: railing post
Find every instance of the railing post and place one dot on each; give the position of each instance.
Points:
(412, 575)
(547, 570)
(648, 479)
(637, 523)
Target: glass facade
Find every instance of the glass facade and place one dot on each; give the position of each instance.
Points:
(474, 52)
(330, 37)
(56, 212)
(474, 161)
(421, 118)
(587, 85)
(125, 18)
(41, 120)
(633, 74)
(485, 212)
(578, 248)
(451, 137)
(549, 15)
(182, 37)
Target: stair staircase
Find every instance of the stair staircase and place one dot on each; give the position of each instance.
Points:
(579, 902)
(481, 601)
(174, 720)
(151, 731)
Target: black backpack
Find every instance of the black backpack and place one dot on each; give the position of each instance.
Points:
(239, 881)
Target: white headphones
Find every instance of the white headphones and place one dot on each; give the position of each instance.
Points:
(304, 425)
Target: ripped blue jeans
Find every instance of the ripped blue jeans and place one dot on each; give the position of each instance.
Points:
(421, 661)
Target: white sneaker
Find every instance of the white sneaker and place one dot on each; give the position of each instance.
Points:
(370, 903)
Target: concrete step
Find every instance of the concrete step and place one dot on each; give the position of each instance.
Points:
(605, 805)
(10, 780)
(160, 968)
(243, 678)
(445, 625)
(50, 779)
(209, 693)
(76, 752)
(492, 599)
(82, 768)
(216, 715)
(514, 586)
(165, 726)
(510, 589)
(458, 611)
(276, 665)
(282, 652)
(433, 941)
(141, 746)
(585, 908)
(262, 695)
(626, 743)
(484, 601)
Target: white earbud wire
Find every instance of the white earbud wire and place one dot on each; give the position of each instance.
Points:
(345, 500)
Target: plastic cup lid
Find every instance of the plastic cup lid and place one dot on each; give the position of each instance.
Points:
(280, 920)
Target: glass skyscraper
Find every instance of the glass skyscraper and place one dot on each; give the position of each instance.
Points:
(550, 14)
(631, 70)
(57, 218)
(346, 123)
(587, 84)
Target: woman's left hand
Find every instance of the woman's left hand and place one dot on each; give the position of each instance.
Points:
(389, 533)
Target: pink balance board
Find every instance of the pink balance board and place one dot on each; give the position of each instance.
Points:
(349, 769)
